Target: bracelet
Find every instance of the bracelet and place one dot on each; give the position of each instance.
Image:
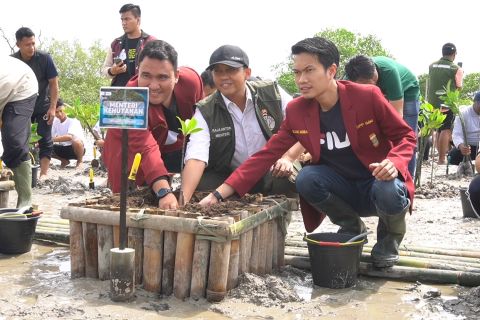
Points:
(109, 71)
(217, 195)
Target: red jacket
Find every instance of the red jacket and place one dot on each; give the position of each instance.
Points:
(366, 114)
(151, 142)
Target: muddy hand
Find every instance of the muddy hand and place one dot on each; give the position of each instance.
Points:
(168, 202)
(384, 171)
(282, 168)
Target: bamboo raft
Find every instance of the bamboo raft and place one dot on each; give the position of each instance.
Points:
(182, 253)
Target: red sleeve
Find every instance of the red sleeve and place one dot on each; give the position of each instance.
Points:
(252, 170)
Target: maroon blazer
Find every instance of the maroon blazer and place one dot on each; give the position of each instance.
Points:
(375, 129)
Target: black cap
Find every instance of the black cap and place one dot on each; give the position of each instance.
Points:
(232, 56)
(449, 49)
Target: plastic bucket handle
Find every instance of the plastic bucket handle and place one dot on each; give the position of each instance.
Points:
(332, 244)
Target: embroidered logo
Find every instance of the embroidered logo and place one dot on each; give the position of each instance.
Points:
(268, 119)
(374, 139)
(300, 131)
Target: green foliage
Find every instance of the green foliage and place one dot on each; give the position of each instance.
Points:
(34, 137)
(430, 118)
(87, 114)
(349, 45)
(422, 82)
(471, 84)
(79, 70)
(189, 126)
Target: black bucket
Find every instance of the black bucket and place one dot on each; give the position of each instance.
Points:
(467, 208)
(16, 234)
(34, 174)
(334, 263)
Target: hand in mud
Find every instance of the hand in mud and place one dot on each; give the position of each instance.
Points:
(168, 202)
(384, 171)
(208, 200)
(282, 168)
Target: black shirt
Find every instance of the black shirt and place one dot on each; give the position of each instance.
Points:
(336, 151)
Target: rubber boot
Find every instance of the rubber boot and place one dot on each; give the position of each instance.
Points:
(22, 176)
(390, 232)
(342, 214)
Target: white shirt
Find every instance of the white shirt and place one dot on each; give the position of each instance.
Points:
(69, 126)
(249, 137)
(472, 127)
(17, 81)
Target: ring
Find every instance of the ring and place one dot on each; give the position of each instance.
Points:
(45, 117)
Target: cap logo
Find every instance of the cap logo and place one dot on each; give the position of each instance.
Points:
(235, 58)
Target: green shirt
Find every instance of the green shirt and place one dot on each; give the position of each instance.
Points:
(395, 80)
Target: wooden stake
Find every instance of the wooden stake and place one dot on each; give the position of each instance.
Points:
(91, 249)
(281, 234)
(275, 244)
(254, 259)
(105, 244)
(232, 279)
(262, 249)
(77, 254)
(135, 241)
(218, 269)
(183, 264)
(152, 260)
(244, 246)
(201, 256)
(269, 246)
(169, 248)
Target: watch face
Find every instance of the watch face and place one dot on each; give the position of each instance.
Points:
(163, 192)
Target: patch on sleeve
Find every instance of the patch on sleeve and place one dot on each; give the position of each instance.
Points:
(374, 140)
(303, 131)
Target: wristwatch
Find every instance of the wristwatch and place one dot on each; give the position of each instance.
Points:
(217, 195)
(163, 192)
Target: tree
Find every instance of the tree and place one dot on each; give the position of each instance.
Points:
(79, 70)
(422, 82)
(471, 84)
(348, 43)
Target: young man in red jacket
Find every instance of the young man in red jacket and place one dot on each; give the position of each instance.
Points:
(173, 92)
(360, 149)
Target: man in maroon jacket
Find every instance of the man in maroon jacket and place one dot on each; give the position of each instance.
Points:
(173, 92)
(360, 150)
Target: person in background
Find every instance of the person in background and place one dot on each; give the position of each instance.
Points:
(397, 83)
(471, 118)
(173, 92)
(360, 148)
(121, 62)
(47, 76)
(208, 84)
(439, 74)
(68, 138)
(18, 93)
(237, 121)
(474, 188)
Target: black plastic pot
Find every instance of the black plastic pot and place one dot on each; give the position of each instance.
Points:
(467, 208)
(34, 174)
(16, 234)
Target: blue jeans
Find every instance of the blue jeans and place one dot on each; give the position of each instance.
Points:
(410, 115)
(367, 197)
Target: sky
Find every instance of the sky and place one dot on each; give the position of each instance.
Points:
(413, 31)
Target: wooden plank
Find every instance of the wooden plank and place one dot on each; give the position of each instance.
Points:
(105, 244)
(135, 241)
(201, 257)
(169, 248)
(91, 249)
(77, 254)
(152, 260)
(183, 264)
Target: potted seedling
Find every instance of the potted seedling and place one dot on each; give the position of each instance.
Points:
(188, 127)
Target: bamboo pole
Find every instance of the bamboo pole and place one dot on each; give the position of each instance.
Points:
(135, 241)
(254, 258)
(152, 259)
(275, 244)
(281, 235)
(183, 263)
(269, 247)
(116, 236)
(201, 255)
(4, 197)
(442, 251)
(77, 255)
(105, 244)
(7, 185)
(232, 279)
(156, 222)
(91, 249)
(218, 269)
(169, 247)
(403, 273)
(244, 246)
(262, 249)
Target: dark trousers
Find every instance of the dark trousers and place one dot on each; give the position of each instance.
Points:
(16, 131)
(474, 191)
(455, 155)
(44, 130)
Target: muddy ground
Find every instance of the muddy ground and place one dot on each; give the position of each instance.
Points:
(37, 284)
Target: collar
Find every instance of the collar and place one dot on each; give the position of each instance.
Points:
(230, 104)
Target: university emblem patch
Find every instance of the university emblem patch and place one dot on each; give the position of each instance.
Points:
(268, 119)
